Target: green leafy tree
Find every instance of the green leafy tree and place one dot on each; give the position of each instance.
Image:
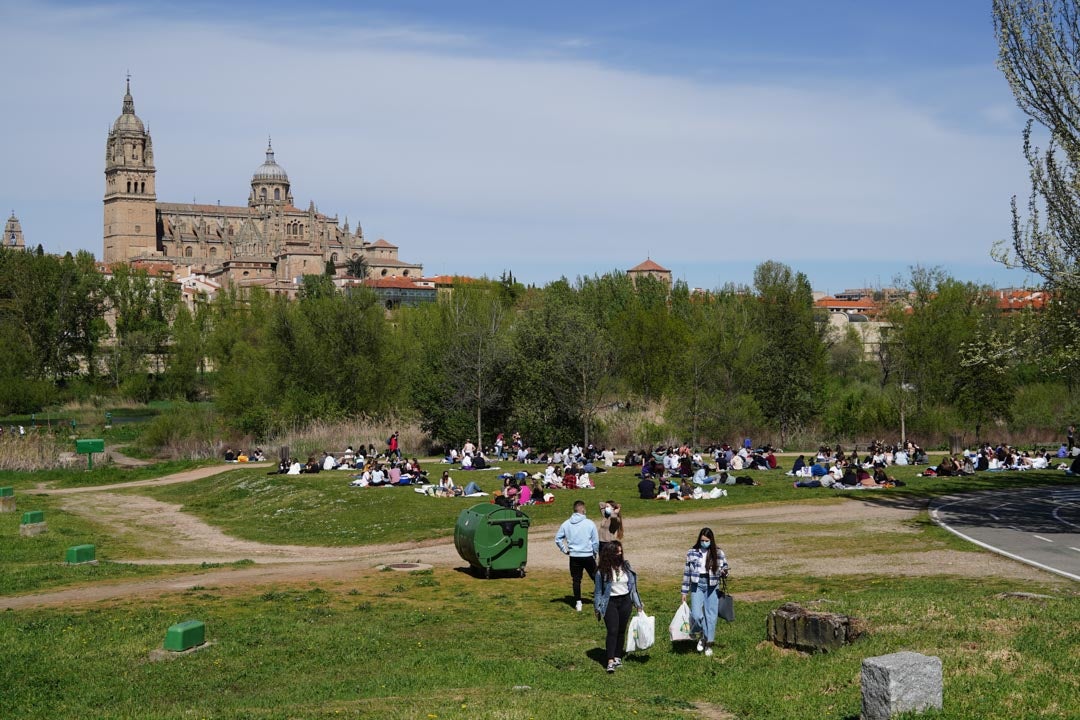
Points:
(143, 308)
(316, 286)
(186, 355)
(789, 369)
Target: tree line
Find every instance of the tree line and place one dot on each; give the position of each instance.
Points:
(556, 363)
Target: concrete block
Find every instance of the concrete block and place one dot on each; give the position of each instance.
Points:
(32, 529)
(900, 682)
(77, 554)
(7, 504)
(185, 635)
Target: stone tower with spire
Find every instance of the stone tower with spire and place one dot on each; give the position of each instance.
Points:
(130, 199)
(13, 237)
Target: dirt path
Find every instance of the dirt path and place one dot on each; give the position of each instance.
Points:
(123, 460)
(768, 540)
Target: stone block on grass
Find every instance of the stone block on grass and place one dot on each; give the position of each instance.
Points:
(900, 682)
(7, 502)
(185, 635)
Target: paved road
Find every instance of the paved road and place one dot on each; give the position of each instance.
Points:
(1037, 526)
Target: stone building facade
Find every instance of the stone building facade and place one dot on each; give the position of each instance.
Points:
(649, 268)
(269, 242)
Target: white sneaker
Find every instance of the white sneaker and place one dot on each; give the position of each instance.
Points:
(700, 645)
(577, 606)
(708, 652)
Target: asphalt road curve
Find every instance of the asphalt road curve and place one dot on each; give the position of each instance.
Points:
(1037, 526)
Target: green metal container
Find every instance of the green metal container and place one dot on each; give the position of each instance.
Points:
(491, 537)
(185, 635)
(7, 491)
(84, 447)
(33, 516)
(81, 554)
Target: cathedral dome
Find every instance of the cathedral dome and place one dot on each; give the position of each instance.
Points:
(270, 170)
(128, 120)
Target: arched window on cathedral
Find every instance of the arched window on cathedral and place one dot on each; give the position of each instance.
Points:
(142, 188)
(187, 251)
(277, 193)
(213, 252)
(129, 186)
(262, 194)
(333, 258)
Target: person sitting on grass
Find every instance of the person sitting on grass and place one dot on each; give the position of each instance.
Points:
(295, 468)
(378, 477)
(647, 489)
(1074, 467)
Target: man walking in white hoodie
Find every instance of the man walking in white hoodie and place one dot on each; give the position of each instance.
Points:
(577, 537)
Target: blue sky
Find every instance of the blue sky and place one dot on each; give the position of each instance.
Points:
(850, 140)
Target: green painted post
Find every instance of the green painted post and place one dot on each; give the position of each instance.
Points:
(78, 554)
(185, 635)
(33, 516)
(7, 491)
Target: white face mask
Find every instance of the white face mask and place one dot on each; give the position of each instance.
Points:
(705, 544)
(607, 512)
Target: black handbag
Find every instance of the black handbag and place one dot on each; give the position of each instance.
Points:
(726, 604)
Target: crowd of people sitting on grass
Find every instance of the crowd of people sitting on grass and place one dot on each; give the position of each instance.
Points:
(670, 473)
(666, 472)
(834, 469)
(242, 456)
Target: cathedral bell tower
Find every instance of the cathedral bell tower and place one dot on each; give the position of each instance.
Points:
(13, 235)
(130, 198)
(269, 184)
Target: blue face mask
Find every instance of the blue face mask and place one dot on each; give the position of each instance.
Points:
(705, 544)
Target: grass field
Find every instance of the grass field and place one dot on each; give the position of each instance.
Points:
(442, 643)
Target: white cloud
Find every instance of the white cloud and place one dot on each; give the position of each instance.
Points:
(459, 154)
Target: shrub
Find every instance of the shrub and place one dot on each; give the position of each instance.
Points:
(191, 431)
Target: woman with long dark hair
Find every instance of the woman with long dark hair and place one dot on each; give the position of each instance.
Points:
(705, 566)
(615, 597)
(611, 526)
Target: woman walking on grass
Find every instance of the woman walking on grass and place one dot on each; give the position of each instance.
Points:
(705, 566)
(616, 595)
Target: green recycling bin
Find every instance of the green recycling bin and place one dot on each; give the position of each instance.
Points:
(492, 537)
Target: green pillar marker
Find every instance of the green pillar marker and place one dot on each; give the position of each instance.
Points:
(78, 554)
(7, 491)
(33, 516)
(185, 635)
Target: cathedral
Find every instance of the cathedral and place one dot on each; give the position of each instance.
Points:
(269, 242)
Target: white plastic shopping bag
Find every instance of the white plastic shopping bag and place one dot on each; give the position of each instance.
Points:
(680, 624)
(641, 633)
